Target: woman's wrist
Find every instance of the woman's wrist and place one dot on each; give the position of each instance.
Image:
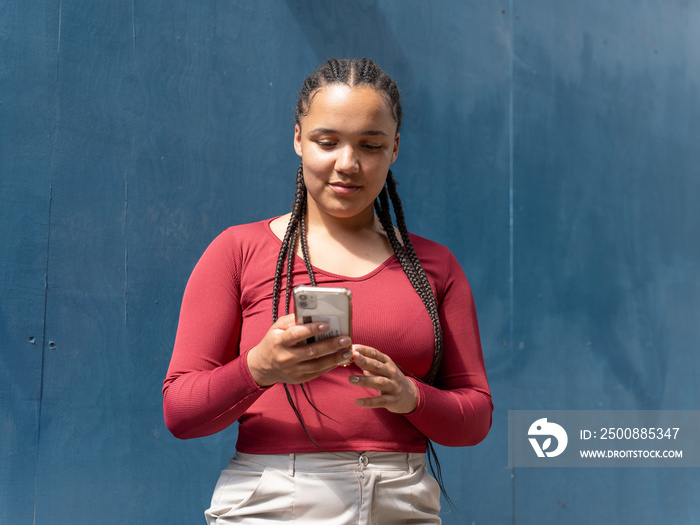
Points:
(255, 370)
(413, 388)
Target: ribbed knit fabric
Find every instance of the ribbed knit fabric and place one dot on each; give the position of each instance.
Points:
(226, 310)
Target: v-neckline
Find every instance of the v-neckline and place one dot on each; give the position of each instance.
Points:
(368, 275)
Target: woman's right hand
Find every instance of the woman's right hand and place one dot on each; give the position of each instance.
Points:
(283, 356)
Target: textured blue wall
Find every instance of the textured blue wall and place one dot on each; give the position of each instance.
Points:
(551, 145)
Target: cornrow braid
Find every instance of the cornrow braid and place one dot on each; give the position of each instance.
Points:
(368, 71)
(336, 69)
(351, 72)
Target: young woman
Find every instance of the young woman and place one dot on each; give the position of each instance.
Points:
(319, 442)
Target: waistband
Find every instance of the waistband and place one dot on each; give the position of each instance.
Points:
(336, 461)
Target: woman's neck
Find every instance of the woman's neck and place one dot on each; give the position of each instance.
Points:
(340, 227)
(352, 246)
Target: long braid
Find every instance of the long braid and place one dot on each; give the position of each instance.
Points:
(298, 208)
(287, 251)
(415, 272)
(305, 248)
(424, 289)
(384, 214)
(290, 270)
(412, 267)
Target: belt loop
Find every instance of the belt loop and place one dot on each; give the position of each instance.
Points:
(410, 461)
(292, 465)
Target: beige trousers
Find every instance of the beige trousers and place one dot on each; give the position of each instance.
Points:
(377, 488)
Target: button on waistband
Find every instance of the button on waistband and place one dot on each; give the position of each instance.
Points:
(364, 460)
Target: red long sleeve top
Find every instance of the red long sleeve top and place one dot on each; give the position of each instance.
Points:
(227, 310)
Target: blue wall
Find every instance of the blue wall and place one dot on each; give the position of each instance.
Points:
(551, 145)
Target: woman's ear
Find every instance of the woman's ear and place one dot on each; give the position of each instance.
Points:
(297, 139)
(395, 153)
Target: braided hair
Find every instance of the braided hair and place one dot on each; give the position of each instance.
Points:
(357, 72)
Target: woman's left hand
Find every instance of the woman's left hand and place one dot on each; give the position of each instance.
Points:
(397, 393)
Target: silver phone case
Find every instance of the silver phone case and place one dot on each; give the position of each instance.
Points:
(316, 304)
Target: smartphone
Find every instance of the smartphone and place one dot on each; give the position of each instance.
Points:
(317, 304)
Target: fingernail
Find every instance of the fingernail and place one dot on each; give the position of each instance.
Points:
(345, 341)
(323, 327)
(348, 354)
(360, 402)
(354, 379)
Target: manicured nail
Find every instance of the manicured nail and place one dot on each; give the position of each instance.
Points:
(348, 354)
(354, 379)
(323, 327)
(360, 402)
(345, 341)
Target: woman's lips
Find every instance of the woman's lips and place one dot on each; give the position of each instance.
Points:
(343, 189)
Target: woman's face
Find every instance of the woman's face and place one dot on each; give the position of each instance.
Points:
(347, 141)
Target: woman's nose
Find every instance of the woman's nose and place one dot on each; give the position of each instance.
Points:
(347, 161)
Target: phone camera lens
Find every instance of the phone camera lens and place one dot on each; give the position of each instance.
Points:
(303, 304)
(302, 297)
